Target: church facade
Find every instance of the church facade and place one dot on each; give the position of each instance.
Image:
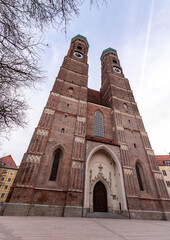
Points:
(90, 151)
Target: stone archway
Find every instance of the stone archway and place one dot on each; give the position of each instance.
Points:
(103, 166)
(99, 197)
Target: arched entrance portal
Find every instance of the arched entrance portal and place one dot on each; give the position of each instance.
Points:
(100, 198)
(104, 188)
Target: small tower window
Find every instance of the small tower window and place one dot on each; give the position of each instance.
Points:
(98, 124)
(139, 176)
(114, 61)
(62, 130)
(70, 89)
(67, 104)
(79, 47)
(56, 161)
(134, 145)
(125, 106)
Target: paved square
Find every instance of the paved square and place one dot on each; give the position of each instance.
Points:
(52, 228)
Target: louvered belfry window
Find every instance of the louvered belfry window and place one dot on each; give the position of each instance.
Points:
(54, 169)
(98, 124)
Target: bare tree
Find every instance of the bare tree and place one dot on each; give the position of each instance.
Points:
(21, 21)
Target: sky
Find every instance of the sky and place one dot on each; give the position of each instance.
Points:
(140, 32)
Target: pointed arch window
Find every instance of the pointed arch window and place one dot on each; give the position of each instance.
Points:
(139, 173)
(54, 170)
(98, 124)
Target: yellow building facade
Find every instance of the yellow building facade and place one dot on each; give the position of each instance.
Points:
(8, 171)
(164, 166)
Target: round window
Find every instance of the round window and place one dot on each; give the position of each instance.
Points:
(116, 69)
(78, 54)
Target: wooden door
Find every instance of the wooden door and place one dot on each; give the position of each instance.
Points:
(100, 198)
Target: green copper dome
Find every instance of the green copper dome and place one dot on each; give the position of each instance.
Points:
(108, 50)
(80, 36)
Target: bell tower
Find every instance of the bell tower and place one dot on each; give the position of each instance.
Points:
(52, 169)
(90, 151)
(143, 180)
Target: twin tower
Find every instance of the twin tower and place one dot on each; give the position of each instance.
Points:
(90, 151)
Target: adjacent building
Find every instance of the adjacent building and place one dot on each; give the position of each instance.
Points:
(90, 151)
(8, 171)
(164, 166)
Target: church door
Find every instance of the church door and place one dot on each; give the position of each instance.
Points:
(100, 198)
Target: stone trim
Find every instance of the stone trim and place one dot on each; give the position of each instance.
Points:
(128, 171)
(124, 100)
(80, 74)
(158, 175)
(77, 165)
(71, 99)
(124, 147)
(81, 119)
(72, 59)
(33, 158)
(49, 111)
(55, 94)
(144, 134)
(120, 128)
(127, 114)
(42, 132)
(124, 89)
(79, 139)
(81, 101)
(150, 152)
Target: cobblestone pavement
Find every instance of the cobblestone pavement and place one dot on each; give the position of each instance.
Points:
(52, 228)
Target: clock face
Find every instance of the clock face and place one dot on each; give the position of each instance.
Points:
(78, 54)
(117, 70)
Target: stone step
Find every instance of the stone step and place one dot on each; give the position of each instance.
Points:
(105, 215)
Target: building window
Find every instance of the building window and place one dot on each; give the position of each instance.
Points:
(125, 106)
(9, 179)
(79, 47)
(12, 173)
(114, 61)
(139, 176)
(98, 124)
(168, 183)
(164, 172)
(167, 163)
(56, 161)
(2, 179)
(2, 195)
(6, 187)
(70, 89)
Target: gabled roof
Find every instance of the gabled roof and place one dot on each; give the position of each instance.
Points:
(7, 162)
(93, 96)
(161, 158)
